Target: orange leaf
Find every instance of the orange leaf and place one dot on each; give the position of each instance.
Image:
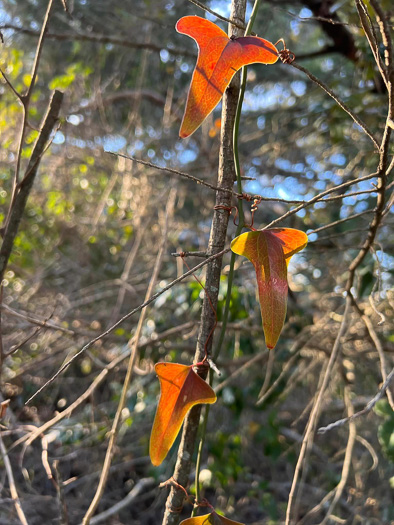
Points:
(181, 389)
(219, 58)
(270, 252)
(210, 519)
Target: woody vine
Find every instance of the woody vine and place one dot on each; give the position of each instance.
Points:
(269, 250)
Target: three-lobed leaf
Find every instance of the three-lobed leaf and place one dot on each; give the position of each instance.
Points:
(181, 389)
(270, 252)
(219, 58)
(210, 519)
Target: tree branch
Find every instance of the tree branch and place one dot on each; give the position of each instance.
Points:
(26, 184)
(102, 39)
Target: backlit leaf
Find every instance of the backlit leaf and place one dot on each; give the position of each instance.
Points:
(181, 389)
(270, 252)
(210, 519)
(219, 58)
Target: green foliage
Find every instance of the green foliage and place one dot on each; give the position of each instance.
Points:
(386, 428)
(226, 451)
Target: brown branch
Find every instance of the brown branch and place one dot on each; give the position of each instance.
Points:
(131, 497)
(340, 221)
(340, 103)
(133, 343)
(26, 184)
(29, 438)
(217, 15)
(103, 39)
(319, 197)
(302, 203)
(25, 100)
(9, 84)
(386, 38)
(11, 481)
(381, 392)
(125, 317)
(317, 408)
(378, 345)
(173, 172)
(369, 30)
(348, 458)
(133, 94)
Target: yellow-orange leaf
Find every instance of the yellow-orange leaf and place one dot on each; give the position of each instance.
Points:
(219, 58)
(181, 389)
(210, 519)
(270, 252)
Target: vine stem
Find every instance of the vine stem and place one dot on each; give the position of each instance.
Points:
(230, 278)
(199, 454)
(217, 240)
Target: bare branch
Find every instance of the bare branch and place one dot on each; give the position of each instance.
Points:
(125, 317)
(9, 84)
(136, 491)
(103, 39)
(133, 343)
(217, 15)
(19, 204)
(317, 407)
(340, 103)
(365, 410)
(11, 481)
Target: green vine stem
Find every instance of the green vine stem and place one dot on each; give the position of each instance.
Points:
(230, 278)
(199, 454)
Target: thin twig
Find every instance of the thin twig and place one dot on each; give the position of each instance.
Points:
(29, 438)
(340, 103)
(340, 221)
(9, 84)
(347, 460)
(133, 354)
(25, 99)
(252, 361)
(139, 487)
(203, 255)
(217, 15)
(127, 316)
(172, 171)
(317, 407)
(379, 348)
(11, 481)
(302, 204)
(369, 30)
(318, 197)
(384, 28)
(60, 494)
(102, 39)
(364, 411)
(19, 203)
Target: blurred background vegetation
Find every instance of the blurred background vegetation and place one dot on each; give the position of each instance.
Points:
(88, 241)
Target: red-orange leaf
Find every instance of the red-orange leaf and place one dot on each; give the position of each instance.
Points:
(181, 389)
(210, 519)
(219, 58)
(270, 252)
